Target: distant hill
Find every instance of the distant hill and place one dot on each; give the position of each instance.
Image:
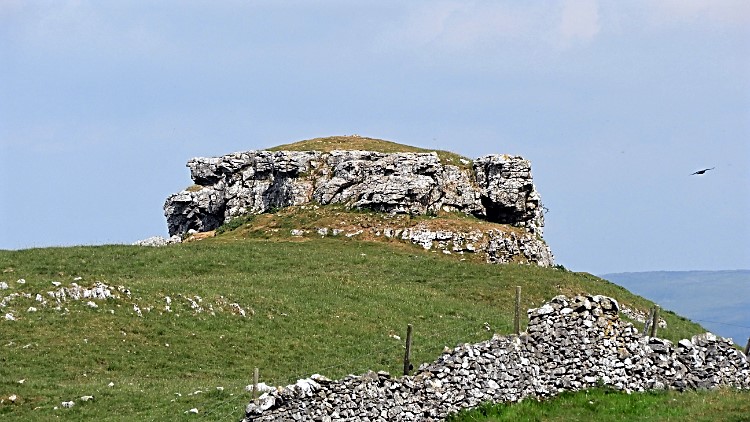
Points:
(718, 300)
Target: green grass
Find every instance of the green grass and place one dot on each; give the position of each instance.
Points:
(606, 405)
(278, 225)
(361, 143)
(327, 306)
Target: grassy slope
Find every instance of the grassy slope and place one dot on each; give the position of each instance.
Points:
(311, 217)
(605, 405)
(320, 305)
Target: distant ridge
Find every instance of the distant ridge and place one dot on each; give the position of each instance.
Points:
(718, 300)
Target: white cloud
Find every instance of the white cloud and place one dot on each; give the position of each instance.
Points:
(459, 25)
(498, 26)
(9, 7)
(721, 12)
(78, 27)
(579, 20)
(472, 24)
(464, 26)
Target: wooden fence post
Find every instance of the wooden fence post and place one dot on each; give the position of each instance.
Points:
(654, 321)
(517, 313)
(255, 386)
(647, 323)
(407, 355)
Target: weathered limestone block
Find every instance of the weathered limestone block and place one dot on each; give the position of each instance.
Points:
(508, 192)
(498, 246)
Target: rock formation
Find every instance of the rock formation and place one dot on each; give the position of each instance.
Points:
(497, 246)
(570, 344)
(496, 188)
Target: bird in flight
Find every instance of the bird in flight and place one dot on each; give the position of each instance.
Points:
(702, 171)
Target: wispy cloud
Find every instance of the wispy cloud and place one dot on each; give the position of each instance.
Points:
(716, 12)
(579, 21)
(465, 26)
(73, 26)
(459, 25)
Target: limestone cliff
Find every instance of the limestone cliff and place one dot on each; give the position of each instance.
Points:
(495, 188)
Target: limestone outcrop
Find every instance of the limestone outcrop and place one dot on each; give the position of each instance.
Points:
(496, 188)
(497, 246)
(570, 344)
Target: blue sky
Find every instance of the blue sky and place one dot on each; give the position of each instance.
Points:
(615, 104)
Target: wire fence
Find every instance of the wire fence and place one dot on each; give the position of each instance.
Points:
(362, 361)
(359, 362)
(721, 323)
(240, 396)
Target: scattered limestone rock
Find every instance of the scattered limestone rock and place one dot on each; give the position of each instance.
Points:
(93, 297)
(157, 241)
(497, 246)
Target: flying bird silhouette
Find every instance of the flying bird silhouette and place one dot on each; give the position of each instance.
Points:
(702, 171)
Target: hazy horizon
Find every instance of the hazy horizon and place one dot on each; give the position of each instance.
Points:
(717, 300)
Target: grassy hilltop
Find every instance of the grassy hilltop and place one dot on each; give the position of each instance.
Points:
(193, 320)
(363, 143)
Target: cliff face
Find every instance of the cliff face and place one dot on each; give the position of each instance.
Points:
(496, 188)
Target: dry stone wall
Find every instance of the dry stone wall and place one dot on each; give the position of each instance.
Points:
(497, 188)
(570, 344)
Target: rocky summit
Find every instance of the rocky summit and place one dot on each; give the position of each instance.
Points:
(494, 188)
